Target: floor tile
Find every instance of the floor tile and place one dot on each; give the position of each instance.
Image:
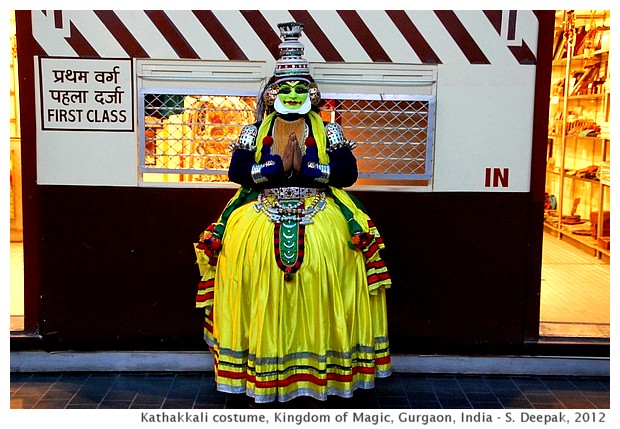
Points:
(393, 402)
(421, 396)
(589, 384)
(58, 395)
(599, 401)
(31, 390)
(71, 406)
(486, 405)
(389, 386)
(150, 400)
(120, 395)
(425, 405)
(50, 404)
(23, 402)
(85, 401)
(471, 385)
(416, 384)
(454, 403)
(181, 404)
(500, 381)
(115, 404)
(481, 397)
(210, 401)
(195, 390)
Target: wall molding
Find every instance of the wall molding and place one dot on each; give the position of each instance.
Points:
(41, 361)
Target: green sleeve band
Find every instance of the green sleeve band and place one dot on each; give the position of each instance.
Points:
(244, 195)
(354, 226)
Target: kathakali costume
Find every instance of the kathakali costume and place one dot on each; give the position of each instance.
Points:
(293, 285)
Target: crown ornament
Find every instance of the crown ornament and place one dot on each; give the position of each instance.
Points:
(291, 63)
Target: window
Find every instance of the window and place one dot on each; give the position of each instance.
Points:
(185, 129)
(393, 135)
(186, 136)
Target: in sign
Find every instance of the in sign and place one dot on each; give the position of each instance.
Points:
(496, 177)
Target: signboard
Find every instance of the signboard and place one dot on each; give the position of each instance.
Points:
(86, 94)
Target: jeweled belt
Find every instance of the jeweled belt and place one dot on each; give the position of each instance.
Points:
(293, 192)
(288, 204)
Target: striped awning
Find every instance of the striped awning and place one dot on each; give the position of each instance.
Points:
(396, 36)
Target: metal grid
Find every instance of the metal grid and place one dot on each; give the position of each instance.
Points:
(393, 134)
(189, 134)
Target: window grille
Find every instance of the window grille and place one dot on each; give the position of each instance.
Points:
(393, 135)
(185, 137)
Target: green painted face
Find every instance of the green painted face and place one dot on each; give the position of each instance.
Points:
(293, 94)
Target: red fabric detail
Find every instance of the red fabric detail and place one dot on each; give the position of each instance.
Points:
(374, 248)
(374, 278)
(383, 360)
(205, 297)
(295, 378)
(375, 264)
(203, 285)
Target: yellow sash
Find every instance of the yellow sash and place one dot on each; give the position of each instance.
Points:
(318, 130)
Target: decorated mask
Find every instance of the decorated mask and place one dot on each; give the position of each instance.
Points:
(293, 97)
(293, 90)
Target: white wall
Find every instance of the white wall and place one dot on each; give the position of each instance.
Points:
(484, 111)
(87, 158)
(484, 120)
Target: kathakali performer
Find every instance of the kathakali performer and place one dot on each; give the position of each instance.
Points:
(293, 284)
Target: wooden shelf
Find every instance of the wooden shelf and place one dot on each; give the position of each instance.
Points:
(586, 111)
(582, 179)
(584, 96)
(585, 240)
(580, 57)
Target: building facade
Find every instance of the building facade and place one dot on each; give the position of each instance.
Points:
(125, 119)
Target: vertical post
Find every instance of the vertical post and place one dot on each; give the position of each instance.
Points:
(26, 51)
(569, 36)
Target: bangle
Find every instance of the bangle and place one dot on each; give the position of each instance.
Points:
(325, 171)
(257, 177)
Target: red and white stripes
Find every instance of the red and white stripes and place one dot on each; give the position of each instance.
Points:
(422, 37)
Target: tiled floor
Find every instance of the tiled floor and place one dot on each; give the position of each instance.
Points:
(574, 292)
(400, 391)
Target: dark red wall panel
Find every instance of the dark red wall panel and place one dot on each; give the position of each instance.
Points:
(118, 267)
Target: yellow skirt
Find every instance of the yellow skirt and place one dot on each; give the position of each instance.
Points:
(322, 332)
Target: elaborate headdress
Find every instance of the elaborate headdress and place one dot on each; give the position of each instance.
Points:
(291, 66)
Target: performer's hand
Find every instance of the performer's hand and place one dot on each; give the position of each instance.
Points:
(287, 156)
(296, 152)
(273, 165)
(291, 152)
